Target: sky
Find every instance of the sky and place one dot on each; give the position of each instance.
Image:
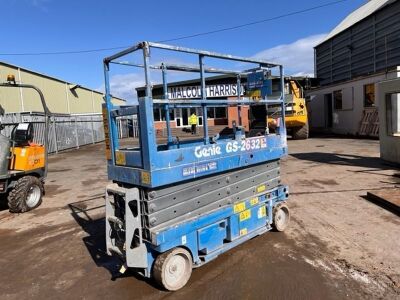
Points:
(32, 26)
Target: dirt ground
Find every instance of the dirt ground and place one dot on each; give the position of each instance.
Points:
(339, 245)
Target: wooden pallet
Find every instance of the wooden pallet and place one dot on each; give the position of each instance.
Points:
(369, 125)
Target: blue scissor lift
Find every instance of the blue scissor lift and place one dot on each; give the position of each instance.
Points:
(177, 204)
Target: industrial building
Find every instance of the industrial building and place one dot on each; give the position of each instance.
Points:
(77, 111)
(61, 96)
(363, 50)
(222, 87)
(217, 86)
(389, 115)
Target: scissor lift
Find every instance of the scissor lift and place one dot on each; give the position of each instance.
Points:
(176, 205)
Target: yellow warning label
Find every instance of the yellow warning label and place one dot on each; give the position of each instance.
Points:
(261, 188)
(238, 207)
(254, 201)
(244, 215)
(145, 177)
(243, 231)
(106, 133)
(262, 212)
(120, 158)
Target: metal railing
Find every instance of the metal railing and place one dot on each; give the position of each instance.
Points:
(68, 131)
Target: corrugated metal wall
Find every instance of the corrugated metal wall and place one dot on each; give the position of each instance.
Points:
(370, 46)
(60, 98)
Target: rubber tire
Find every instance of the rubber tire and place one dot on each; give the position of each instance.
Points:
(300, 133)
(160, 267)
(18, 195)
(275, 223)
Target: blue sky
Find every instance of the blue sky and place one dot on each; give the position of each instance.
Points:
(61, 25)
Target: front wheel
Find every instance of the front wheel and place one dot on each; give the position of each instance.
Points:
(281, 217)
(26, 194)
(172, 269)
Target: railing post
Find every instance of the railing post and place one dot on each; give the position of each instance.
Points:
(166, 107)
(203, 97)
(238, 96)
(76, 134)
(55, 135)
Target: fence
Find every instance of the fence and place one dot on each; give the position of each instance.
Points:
(68, 131)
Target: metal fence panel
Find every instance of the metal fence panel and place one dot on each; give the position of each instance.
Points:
(68, 131)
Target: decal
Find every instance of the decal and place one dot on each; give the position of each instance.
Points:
(238, 207)
(145, 177)
(245, 215)
(262, 212)
(249, 144)
(201, 168)
(243, 231)
(120, 158)
(254, 201)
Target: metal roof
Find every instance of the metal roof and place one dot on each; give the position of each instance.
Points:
(52, 78)
(356, 16)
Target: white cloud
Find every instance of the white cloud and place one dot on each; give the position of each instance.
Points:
(297, 58)
(124, 85)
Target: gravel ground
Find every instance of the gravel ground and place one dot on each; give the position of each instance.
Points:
(339, 245)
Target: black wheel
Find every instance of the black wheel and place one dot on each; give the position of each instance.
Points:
(281, 216)
(26, 194)
(300, 133)
(172, 269)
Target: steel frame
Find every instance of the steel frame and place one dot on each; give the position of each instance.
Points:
(153, 165)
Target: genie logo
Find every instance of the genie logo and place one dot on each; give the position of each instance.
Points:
(200, 152)
(246, 145)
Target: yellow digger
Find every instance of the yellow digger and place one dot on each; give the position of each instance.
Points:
(296, 115)
(23, 163)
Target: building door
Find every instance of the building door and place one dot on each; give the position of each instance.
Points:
(182, 116)
(328, 105)
(185, 116)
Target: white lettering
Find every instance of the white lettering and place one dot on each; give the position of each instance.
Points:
(200, 152)
(218, 90)
(231, 147)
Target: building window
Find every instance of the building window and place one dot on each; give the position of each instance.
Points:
(171, 114)
(220, 112)
(157, 115)
(369, 95)
(210, 112)
(393, 114)
(337, 99)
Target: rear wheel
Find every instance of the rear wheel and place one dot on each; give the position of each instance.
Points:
(281, 217)
(172, 269)
(26, 194)
(300, 133)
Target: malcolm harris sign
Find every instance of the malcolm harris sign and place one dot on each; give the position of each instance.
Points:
(212, 91)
